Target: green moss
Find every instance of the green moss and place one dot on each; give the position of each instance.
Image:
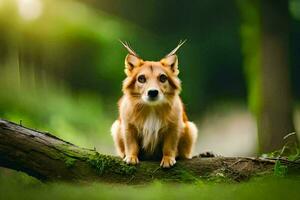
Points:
(184, 175)
(73, 151)
(219, 177)
(108, 164)
(70, 162)
(178, 173)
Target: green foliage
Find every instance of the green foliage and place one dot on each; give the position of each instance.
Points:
(290, 154)
(108, 164)
(251, 48)
(280, 169)
(78, 118)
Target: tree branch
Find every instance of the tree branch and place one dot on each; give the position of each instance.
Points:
(49, 158)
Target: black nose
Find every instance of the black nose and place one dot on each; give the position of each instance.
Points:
(152, 93)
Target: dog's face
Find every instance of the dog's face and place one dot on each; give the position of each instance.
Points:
(149, 82)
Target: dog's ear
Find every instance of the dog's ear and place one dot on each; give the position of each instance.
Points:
(132, 59)
(131, 62)
(171, 62)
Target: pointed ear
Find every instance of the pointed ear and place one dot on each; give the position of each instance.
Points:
(171, 62)
(131, 62)
(171, 59)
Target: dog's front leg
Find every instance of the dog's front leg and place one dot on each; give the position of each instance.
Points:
(169, 147)
(131, 145)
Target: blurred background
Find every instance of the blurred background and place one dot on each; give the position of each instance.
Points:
(61, 66)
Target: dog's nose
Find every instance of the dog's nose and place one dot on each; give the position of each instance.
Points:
(152, 93)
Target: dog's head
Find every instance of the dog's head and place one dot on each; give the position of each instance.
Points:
(151, 82)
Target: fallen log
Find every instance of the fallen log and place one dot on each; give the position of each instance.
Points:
(48, 158)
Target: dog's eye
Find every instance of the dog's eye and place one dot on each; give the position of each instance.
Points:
(142, 79)
(163, 78)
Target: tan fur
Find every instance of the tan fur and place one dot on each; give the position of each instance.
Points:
(146, 126)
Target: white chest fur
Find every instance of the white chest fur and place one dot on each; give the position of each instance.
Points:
(150, 131)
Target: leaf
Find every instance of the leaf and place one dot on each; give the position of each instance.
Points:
(279, 169)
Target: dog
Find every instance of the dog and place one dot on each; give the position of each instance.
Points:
(152, 121)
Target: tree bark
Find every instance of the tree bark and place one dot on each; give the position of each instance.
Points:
(265, 44)
(49, 158)
(276, 116)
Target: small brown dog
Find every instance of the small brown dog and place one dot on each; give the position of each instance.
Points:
(152, 121)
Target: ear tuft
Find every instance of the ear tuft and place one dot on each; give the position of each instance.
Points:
(171, 59)
(132, 59)
(173, 52)
(129, 49)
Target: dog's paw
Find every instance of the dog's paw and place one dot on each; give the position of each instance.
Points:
(133, 160)
(121, 154)
(167, 161)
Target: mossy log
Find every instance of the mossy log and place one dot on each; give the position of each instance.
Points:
(49, 158)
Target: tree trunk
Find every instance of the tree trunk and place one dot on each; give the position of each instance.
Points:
(49, 158)
(276, 116)
(265, 41)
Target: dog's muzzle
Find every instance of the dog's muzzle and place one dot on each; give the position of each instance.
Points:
(152, 94)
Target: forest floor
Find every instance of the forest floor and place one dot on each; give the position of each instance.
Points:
(17, 185)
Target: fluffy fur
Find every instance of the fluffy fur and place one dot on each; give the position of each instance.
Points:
(152, 126)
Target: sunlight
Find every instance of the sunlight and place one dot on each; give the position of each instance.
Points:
(30, 9)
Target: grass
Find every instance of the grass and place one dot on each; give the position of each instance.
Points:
(18, 185)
